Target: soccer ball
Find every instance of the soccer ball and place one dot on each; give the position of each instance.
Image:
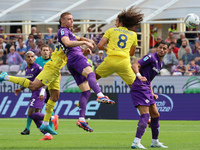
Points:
(191, 20)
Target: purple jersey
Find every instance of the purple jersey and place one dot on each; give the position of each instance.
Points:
(140, 91)
(150, 67)
(69, 51)
(31, 73)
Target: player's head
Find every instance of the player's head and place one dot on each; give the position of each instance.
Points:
(66, 20)
(129, 18)
(162, 49)
(45, 52)
(30, 57)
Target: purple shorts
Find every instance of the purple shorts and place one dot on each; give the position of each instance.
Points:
(76, 65)
(35, 102)
(142, 95)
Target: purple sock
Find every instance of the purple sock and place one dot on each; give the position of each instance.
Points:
(93, 83)
(83, 102)
(37, 118)
(142, 124)
(155, 127)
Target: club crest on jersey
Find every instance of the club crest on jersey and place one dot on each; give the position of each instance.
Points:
(147, 101)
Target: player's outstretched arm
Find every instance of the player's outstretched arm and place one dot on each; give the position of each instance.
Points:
(132, 50)
(69, 43)
(102, 43)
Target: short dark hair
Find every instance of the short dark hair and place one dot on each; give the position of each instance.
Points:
(165, 43)
(172, 43)
(44, 45)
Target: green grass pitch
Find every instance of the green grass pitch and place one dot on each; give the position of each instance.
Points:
(107, 135)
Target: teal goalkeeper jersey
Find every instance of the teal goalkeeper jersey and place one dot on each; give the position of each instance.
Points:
(40, 61)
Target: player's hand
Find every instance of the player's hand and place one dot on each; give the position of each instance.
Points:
(41, 97)
(90, 45)
(94, 44)
(155, 96)
(17, 91)
(143, 79)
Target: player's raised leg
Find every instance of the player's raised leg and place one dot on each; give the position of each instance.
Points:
(82, 109)
(91, 78)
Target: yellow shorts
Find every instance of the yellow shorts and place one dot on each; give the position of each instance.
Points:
(115, 64)
(50, 76)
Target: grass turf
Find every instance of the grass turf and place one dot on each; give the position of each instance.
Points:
(107, 135)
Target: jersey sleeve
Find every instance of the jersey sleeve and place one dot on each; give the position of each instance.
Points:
(63, 32)
(107, 34)
(145, 60)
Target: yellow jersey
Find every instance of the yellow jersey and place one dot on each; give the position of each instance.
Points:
(58, 57)
(120, 40)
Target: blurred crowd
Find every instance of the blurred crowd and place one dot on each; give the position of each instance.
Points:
(183, 56)
(13, 48)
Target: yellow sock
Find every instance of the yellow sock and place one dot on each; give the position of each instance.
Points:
(19, 80)
(49, 109)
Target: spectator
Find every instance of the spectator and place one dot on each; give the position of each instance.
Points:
(153, 36)
(8, 45)
(34, 32)
(30, 37)
(191, 68)
(21, 50)
(2, 32)
(179, 41)
(181, 50)
(19, 34)
(173, 27)
(170, 38)
(98, 37)
(153, 50)
(98, 59)
(13, 58)
(198, 38)
(33, 47)
(77, 32)
(39, 46)
(90, 34)
(197, 56)
(169, 59)
(179, 69)
(49, 35)
(22, 68)
(188, 56)
(51, 44)
(159, 39)
(174, 49)
(39, 37)
(2, 57)
(3, 43)
(195, 49)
